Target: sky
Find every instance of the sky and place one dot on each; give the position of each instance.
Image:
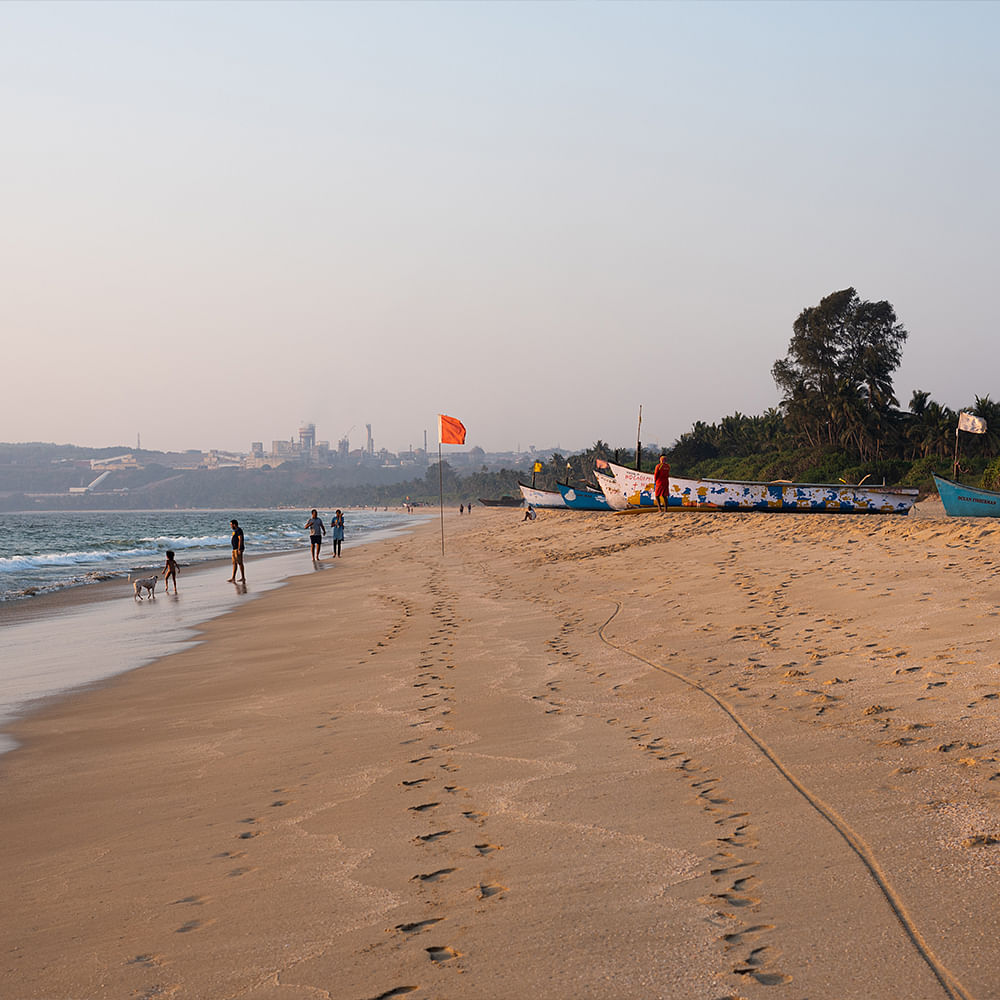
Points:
(221, 220)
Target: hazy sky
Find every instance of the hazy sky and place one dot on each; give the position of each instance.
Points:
(221, 219)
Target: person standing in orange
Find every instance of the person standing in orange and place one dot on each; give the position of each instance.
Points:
(661, 483)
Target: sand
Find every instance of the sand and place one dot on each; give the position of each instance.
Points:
(686, 756)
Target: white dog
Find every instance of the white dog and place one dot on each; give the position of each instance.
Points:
(149, 585)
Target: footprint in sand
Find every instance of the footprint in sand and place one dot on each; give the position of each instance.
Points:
(748, 934)
(443, 954)
(418, 926)
(485, 849)
(429, 838)
(733, 899)
(434, 876)
(488, 889)
(770, 978)
(149, 961)
(192, 925)
(399, 991)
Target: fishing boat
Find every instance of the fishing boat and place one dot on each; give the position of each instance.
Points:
(504, 501)
(967, 501)
(541, 498)
(612, 492)
(807, 498)
(583, 499)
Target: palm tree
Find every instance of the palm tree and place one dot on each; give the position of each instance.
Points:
(989, 443)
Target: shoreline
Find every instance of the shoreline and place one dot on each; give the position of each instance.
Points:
(55, 602)
(547, 743)
(77, 637)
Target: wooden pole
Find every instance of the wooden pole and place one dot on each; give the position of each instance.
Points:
(638, 443)
(441, 494)
(954, 464)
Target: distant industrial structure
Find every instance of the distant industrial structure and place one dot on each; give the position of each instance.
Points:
(138, 472)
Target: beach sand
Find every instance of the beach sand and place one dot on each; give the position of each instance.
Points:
(688, 756)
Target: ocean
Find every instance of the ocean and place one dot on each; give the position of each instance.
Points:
(71, 643)
(44, 551)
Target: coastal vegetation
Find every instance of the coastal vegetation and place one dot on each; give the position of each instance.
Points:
(838, 417)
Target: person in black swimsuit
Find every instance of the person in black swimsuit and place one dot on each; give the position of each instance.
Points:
(238, 546)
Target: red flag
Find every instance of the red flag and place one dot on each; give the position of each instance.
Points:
(450, 430)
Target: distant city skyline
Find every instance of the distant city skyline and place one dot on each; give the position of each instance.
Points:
(225, 219)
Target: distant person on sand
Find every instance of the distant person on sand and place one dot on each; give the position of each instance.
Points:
(317, 529)
(661, 483)
(239, 545)
(529, 514)
(461, 508)
(170, 572)
(337, 532)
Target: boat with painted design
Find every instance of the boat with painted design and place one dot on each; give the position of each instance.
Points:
(781, 496)
(611, 490)
(583, 499)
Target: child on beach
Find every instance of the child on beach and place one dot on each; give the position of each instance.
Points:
(170, 572)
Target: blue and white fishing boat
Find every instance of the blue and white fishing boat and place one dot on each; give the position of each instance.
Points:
(967, 501)
(580, 499)
(807, 498)
(541, 498)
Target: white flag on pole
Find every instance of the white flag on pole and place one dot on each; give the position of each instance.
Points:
(974, 425)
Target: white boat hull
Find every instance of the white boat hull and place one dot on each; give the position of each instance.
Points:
(718, 494)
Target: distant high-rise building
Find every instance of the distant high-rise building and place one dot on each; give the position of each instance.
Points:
(343, 447)
(257, 448)
(370, 448)
(307, 437)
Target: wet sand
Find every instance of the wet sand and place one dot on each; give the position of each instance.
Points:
(692, 756)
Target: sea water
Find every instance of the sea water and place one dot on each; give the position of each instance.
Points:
(76, 644)
(48, 550)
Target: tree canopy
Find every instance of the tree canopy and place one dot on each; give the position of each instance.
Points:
(837, 375)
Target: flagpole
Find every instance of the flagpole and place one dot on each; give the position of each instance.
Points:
(454, 430)
(954, 465)
(638, 444)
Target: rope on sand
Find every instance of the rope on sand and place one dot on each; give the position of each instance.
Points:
(949, 983)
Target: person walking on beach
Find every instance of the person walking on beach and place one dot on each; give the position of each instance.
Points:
(317, 529)
(238, 546)
(337, 532)
(661, 483)
(170, 572)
